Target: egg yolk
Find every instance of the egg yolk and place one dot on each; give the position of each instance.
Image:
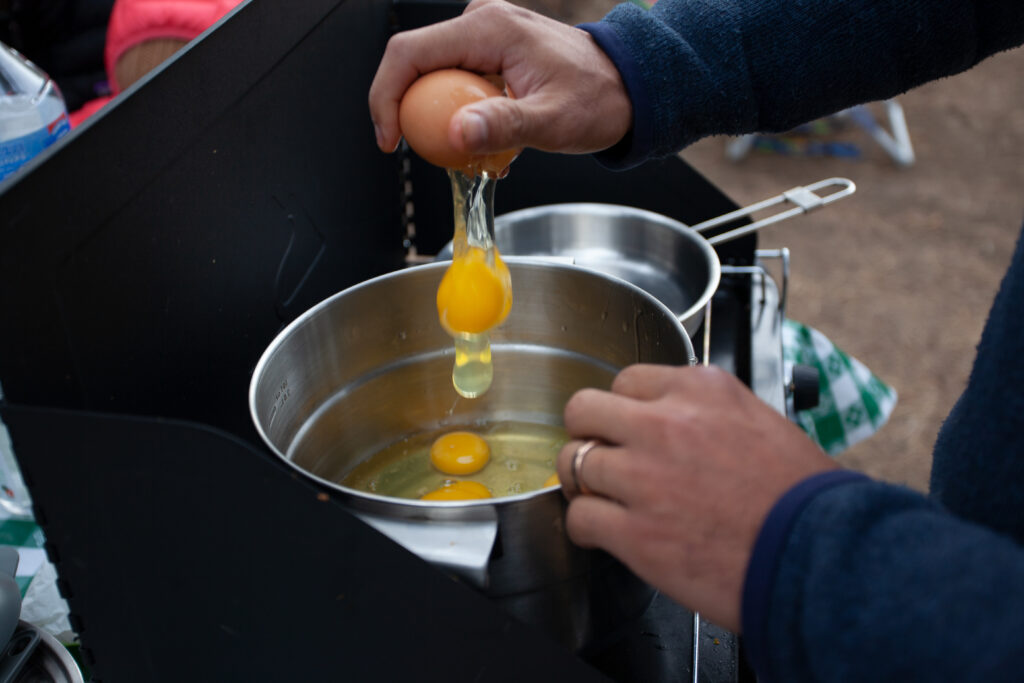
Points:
(460, 453)
(551, 481)
(473, 296)
(459, 490)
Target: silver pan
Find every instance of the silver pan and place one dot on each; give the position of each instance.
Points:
(662, 256)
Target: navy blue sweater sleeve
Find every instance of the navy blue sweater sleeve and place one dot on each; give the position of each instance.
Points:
(875, 582)
(978, 464)
(703, 67)
(855, 580)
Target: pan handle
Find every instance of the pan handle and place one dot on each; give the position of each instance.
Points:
(804, 197)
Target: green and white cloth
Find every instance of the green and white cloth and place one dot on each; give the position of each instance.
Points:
(25, 536)
(41, 601)
(854, 403)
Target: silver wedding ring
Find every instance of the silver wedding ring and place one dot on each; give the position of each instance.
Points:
(577, 465)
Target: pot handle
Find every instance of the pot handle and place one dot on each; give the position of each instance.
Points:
(463, 548)
(804, 197)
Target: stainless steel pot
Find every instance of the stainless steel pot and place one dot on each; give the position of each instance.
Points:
(371, 365)
(665, 257)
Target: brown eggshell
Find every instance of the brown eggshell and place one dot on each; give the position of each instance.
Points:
(426, 111)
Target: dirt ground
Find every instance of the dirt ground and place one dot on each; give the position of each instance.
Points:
(900, 275)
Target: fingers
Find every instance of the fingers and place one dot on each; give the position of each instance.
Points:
(394, 76)
(596, 414)
(496, 123)
(571, 97)
(690, 384)
(458, 42)
(647, 382)
(570, 463)
(606, 471)
(407, 57)
(597, 522)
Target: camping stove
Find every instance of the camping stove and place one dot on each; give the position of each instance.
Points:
(670, 644)
(209, 206)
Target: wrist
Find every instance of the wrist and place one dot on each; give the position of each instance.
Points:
(636, 140)
(764, 559)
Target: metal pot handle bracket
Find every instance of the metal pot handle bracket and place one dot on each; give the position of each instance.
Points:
(804, 197)
(782, 254)
(461, 547)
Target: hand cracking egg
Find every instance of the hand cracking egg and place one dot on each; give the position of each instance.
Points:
(426, 111)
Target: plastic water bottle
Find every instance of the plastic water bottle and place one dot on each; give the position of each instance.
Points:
(32, 111)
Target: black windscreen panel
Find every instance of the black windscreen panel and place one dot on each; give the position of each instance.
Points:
(150, 257)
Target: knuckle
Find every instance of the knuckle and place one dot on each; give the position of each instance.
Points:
(514, 122)
(576, 523)
(488, 11)
(670, 422)
(398, 45)
(577, 407)
(633, 467)
(698, 381)
(713, 374)
(626, 379)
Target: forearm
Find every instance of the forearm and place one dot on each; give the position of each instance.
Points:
(874, 582)
(696, 68)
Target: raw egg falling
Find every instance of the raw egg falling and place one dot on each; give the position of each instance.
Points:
(475, 294)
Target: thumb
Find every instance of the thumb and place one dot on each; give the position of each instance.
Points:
(492, 125)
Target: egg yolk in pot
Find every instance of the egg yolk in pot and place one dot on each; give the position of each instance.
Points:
(514, 457)
(460, 453)
(459, 490)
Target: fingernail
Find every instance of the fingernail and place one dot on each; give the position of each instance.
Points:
(474, 130)
(377, 134)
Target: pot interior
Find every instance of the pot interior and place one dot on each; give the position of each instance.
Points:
(372, 365)
(531, 385)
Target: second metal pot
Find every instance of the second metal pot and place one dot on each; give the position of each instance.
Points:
(662, 256)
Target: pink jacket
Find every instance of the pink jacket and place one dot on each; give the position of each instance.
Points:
(136, 21)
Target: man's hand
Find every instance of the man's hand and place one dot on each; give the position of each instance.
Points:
(568, 96)
(688, 465)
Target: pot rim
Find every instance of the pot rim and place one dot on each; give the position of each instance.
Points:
(695, 312)
(409, 507)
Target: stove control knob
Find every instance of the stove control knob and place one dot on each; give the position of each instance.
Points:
(804, 387)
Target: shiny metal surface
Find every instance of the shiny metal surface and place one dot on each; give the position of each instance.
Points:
(47, 662)
(766, 367)
(803, 199)
(371, 365)
(660, 255)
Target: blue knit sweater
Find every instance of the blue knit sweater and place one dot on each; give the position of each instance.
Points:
(852, 579)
